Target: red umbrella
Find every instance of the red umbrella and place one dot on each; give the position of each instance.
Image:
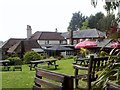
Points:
(115, 44)
(85, 44)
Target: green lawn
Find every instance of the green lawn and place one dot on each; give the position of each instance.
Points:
(25, 78)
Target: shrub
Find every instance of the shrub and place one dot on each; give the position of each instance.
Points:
(12, 60)
(31, 56)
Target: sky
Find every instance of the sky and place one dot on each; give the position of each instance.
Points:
(41, 15)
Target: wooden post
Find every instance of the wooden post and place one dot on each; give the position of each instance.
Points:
(68, 83)
(89, 72)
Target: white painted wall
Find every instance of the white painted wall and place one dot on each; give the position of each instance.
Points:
(68, 41)
(54, 42)
(41, 42)
(63, 54)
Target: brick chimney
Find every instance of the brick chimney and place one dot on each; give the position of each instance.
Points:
(29, 31)
(71, 36)
(56, 30)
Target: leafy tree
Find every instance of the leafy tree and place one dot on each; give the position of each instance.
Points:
(76, 21)
(93, 20)
(85, 25)
(108, 5)
(106, 23)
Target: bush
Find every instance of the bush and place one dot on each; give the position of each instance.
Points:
(31, 56)
(12, 60)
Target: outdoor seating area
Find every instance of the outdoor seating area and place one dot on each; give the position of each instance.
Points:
(83, 66)
(91, 65)
(70, 46)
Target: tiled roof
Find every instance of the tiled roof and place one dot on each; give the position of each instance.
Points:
(47, 36)
(14, 47)
(29, 44)
(89, 33)
(104, 42)
(26, 45)
(11, 42)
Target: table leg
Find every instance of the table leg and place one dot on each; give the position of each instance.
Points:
(31, 66)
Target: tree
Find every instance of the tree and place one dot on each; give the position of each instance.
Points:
(93, 20)
(85, 25)
(109, 5)
(76, 21)
(106, 23)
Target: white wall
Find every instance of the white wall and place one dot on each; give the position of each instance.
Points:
(54, 42)
(44, 42)
(41, 42)
(68, 41)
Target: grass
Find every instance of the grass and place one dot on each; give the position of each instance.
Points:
(25, 78)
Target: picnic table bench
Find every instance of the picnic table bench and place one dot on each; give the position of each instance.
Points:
(4, 64)
(45, 80)
(50, 62)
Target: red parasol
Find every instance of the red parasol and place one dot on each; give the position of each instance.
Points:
(85, 44)
(115, 44)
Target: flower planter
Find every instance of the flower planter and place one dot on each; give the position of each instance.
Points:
(112, 86)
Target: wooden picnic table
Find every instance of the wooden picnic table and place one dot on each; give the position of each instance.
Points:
(34, 64)
(80, 61)
(4, 64)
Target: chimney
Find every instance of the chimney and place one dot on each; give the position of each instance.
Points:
(29, 31)
(56, 30)
(71, 36)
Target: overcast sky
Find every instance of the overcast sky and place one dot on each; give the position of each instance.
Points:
(42, 15)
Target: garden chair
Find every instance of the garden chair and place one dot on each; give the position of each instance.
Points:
(95, 64)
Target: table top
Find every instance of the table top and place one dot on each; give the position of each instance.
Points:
(45, 60)
(79, 59)
(86, 58)
(1, 61)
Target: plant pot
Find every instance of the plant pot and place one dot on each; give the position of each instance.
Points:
(112, 86)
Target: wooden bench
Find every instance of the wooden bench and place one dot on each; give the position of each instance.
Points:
(50, 62)
(94, 65)
(65, 81)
